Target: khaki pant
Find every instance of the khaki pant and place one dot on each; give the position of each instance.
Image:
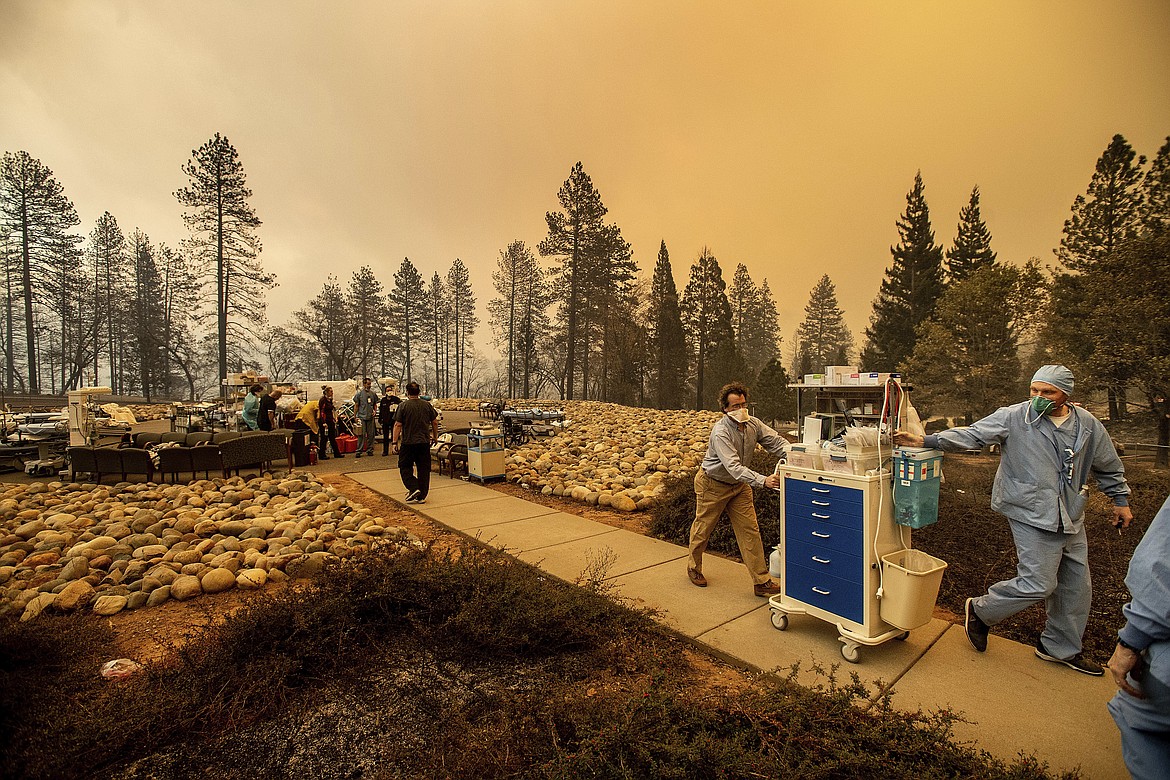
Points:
(711, 499)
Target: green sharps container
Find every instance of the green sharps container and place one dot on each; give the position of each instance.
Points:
(917, 474)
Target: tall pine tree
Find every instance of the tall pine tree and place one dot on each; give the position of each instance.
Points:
(223, 241)
(972, 248)
(1156, 192)
(823, 338)
(668, 345)
(707, 320)
(1110, 210)
(910, 290)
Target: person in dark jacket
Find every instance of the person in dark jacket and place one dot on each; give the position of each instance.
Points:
(387, 405)
(328, 424)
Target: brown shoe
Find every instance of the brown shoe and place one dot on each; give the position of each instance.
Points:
(697, 578)
(769, 588)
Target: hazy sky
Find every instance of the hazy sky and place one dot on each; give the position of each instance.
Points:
(783, 135)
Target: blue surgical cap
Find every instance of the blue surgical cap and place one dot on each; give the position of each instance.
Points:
(1057, 376)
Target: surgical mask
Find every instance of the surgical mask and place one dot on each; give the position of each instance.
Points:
(1040, 406)
(739, 415)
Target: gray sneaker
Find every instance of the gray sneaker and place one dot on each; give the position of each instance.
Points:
(977, 630)
(1077, 662)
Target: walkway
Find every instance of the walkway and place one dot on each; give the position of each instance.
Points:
(1016, 703)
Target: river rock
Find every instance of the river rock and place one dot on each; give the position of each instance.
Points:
(216, 581)
(185, 587)
(75, 595)
(108, 605)
(250, 579)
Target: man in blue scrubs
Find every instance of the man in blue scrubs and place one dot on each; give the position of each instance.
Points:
(1049, 449)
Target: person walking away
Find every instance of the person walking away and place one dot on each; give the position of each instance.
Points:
(1141, 661)
(308, 418)
(1049, 449)
(416, 428)
(386, 408)
(364, 404)
(328, 424)
(267, 411)
(251, 412)
(724, 482)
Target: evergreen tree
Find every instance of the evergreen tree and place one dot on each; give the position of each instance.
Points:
(327, 320)
(408, 310)
(772, 398)
(1108, 213)
(146, 317)
(667, 340)
(610, 307)
(463, 322)
(823, 339)
(754, 321)
(107, 253)
(223, 241)
(770, 340)
(366, 301)
(910, 290)
(438, 315)
(972, 248)
(966, 361)
(179, 298)
(35, 211)
(518, 315)
(574, 235)
(707, 320)
(1156, 192)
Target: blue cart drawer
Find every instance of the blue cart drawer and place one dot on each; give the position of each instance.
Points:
(833, 537)
(820, 491)
(847, 515)
(824, 591)
(833, 562)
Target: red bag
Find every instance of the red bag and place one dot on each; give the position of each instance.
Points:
(347, 443)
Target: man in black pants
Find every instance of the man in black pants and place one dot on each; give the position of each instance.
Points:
(416, 428)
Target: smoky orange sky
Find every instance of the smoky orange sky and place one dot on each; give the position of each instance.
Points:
(782, 135)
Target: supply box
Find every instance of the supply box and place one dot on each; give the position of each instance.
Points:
(849, 462)
(805, 456)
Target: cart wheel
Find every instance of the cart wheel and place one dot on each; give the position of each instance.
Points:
(851, 652)
(780, 620)
(902, 637)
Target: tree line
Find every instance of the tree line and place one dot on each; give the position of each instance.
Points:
(573, 317)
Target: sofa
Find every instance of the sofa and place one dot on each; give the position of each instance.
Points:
(102, 461)
(220, 453)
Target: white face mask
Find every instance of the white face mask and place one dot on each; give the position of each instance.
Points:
(739, 415)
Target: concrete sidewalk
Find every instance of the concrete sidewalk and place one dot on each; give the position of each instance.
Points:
(1016, 703)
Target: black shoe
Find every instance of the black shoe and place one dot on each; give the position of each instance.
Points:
(977, 630)
(1077, 662)
(358, 455)
(411, 495)
(323, 457)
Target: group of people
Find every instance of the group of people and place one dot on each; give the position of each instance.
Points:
(1049, 450)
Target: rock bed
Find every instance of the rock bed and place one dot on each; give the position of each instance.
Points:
(70, 546)
(610, 455)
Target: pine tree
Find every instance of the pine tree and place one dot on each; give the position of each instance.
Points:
(823, 339)
(35, 211)
(667, 340)
(966, 361)
(328, 321)
(573, 236)
(463, 321)
(1108, 213)
(408, 311)
(1155, 195)
(910, 290)
(108, 261)
(518, 315)
(438, 315)
(771, 396)
(707, 320)
(366, 302)
(223, 241)
(972, 248)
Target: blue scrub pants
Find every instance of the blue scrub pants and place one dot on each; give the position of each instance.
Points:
(1145, 723)
(1054, 569)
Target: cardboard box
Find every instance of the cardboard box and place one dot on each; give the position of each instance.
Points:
(852, 379)
(871, 378)
(836, 375)
(814, 379)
